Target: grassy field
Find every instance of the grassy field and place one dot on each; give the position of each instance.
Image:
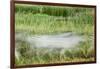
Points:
(41, 20)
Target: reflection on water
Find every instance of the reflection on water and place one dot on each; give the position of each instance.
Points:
(65, 40)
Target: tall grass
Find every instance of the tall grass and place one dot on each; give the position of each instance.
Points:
(45, 24)
(82, 53)
(40, 20)
(51, 10)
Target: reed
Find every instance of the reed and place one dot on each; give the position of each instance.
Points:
(41, 20)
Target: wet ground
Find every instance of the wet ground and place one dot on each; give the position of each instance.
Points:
(49, 43)
(63, 40)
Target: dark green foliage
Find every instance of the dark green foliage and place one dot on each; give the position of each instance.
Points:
(51, 10)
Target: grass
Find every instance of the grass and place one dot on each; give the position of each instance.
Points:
(41, 20)
(52, 24)
(51, 10)
(84, 52)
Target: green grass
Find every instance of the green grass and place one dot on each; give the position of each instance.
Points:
(52, 24)
(51, 10)
(52, 20)
(82, 53)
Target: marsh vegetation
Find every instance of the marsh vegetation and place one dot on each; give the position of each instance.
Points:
(53, 34)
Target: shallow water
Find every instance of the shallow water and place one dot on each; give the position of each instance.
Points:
(63, 40)
(46, 44)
